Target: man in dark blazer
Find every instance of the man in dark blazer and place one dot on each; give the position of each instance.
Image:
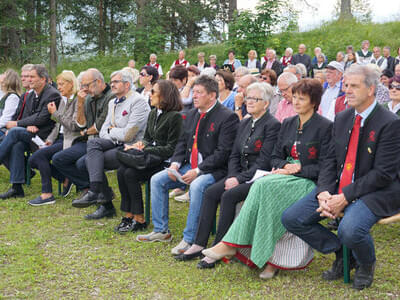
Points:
(360, 178)
(201, 157)
(302, 58)
(32, 118)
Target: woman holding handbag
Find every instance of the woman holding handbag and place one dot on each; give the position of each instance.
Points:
(161, 136)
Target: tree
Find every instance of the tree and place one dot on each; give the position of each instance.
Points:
(53, 38)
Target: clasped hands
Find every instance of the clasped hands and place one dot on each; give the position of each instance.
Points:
(331, 206)
(288, 169)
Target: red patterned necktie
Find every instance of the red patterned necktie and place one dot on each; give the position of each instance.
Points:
(348, 169)
(195, 151)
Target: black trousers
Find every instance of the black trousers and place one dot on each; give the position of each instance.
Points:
(212, 197)
(129, 182)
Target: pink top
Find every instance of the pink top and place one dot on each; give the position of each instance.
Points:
(284, 110)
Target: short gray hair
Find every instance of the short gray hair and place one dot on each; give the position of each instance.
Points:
(265, 89)
(209, 71)
(371, 76)
(41, 71)
(288, 77)
(303, 70)
(242, 71)
(126, 76)
(96, 74)
(27, 67)
(153, 54)
(273, 51)
(290, 50)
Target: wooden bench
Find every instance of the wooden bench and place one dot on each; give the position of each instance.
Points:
(346, 252)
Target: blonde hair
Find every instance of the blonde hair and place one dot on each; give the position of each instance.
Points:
(254, 51)
(69, 76)
(12, 82)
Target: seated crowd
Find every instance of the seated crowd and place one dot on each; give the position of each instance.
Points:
(277, 150)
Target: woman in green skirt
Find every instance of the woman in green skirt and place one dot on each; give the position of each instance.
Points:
(303, 143)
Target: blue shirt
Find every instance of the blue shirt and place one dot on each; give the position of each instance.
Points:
(229, 102)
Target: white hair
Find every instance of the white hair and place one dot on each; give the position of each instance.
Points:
(290, 50)
(208, 72)
(266, 90)
(126, 76)
(288, 77)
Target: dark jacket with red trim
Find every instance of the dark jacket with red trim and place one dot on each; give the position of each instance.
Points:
(217, 131)
(376, 174)
(253, 147)
(312, 144)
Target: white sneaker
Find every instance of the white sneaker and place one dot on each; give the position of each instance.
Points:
(176, 192)
(183, 198)
(155, 237)
(180, 248)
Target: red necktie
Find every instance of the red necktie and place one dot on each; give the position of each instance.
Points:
(350, 162)
(195, 151)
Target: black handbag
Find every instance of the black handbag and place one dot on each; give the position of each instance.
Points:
(138, 159)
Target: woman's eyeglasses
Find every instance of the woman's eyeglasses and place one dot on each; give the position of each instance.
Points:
(394, 86)
(143, 74)
(254, 99)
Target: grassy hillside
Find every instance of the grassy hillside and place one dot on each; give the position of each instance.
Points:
(331, 37)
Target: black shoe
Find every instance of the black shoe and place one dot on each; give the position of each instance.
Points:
(130, 225)
(66, 189)
(364, 276)
(205, 265)
(185, 257)
(12, 193)
(336, 272)
(86, 200)
(101, 212)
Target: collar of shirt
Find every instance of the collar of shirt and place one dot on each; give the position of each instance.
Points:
(209, 108)
(159, 112)
(364, 115)
(120, 100)
(394, 109)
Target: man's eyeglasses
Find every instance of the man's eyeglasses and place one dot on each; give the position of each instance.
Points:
(86, 86)
(116, 81)
(394, 86)
(254, 99)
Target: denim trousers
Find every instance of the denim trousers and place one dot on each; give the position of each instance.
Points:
(12, 149)
(71, 163)
(302, 219)
(160, 185)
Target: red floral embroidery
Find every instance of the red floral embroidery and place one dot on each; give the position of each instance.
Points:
(372, 136)
(211, 129)
(312, 153)
(257, 145)
(124, 113)
(183, 117)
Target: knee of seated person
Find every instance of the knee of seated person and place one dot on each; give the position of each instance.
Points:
(349, 234)
(289, 219)
(156, 178)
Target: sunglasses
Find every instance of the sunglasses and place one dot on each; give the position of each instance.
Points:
(394, 86)
(264, 78)
(143, 74)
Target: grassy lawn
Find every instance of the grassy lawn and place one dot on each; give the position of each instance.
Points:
(51, 252)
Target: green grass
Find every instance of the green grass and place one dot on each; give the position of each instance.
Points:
(51, 252)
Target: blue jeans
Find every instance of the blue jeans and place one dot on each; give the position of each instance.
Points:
(12, 149)
(160, 185)
(71, 163)
(302, 220)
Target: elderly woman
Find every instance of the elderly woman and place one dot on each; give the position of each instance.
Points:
(287, 58)
(319, 65)
(201, 63)
(302, 145)
(269, 76)
(251, 151)
(161, 136)
(11, 88)
(253, 62)
(394, 93)
(226, 81)
(148, 76)
(213, 62)
(64, 134)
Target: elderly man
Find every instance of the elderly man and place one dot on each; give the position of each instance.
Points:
(332, 88)
(389, 59)
(153, 63)
(364, 55)
(92, 108)
(243, 83)
(181, 60)
(239, 73)
(295, 70)
(272, 63)
(359, 177)
(285, 106)
(200, 158)
(125, 123)
(317, 52)
(378, 59)
(303, 58)
(33, 119)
